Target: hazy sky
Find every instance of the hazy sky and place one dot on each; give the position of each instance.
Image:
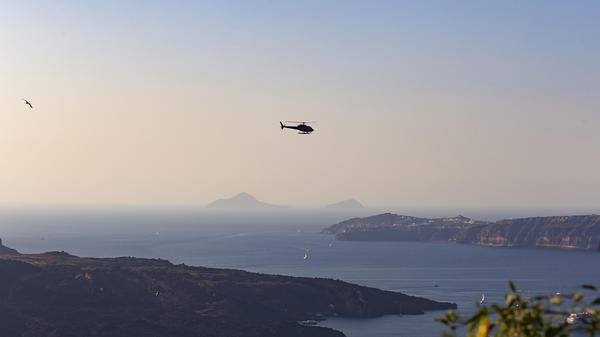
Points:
(430, 103)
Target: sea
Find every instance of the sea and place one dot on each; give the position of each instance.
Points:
(277, 242)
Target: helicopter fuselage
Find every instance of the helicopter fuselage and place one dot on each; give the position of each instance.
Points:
(303, 128)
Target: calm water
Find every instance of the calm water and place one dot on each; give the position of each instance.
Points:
(276, 244)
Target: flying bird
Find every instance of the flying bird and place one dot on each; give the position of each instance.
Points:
(27, 102)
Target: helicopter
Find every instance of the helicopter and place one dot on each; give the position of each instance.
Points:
(301, 127)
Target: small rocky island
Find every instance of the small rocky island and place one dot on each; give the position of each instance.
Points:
(6, 250)
(566, 232)
(243, 202)
(57, 294)
(348, 204)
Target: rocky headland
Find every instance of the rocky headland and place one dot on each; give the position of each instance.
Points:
(57, 294)
(565, 232)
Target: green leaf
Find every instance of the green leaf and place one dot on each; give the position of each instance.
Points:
(512, 286)
(556, 300)
(589, 287)
(510, 299)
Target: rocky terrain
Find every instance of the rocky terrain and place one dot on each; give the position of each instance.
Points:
(568, 232)
(60, 295)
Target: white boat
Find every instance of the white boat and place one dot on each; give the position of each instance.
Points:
(306, 255)
(579, 318)
(482, 299)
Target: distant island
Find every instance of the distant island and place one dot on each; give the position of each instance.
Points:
(57, 294)
(566, 232)
(349, 204)
(242, 201)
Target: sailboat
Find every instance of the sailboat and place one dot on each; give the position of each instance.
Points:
(306, 255)
(482, 299)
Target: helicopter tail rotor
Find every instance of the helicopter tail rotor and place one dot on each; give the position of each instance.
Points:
(282, 126)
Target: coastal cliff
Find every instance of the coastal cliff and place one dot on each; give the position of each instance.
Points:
(57, 294)
(565, 232)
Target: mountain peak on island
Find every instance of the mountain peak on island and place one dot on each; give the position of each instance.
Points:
(244, 197)
(346, 204)
(242, 201)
